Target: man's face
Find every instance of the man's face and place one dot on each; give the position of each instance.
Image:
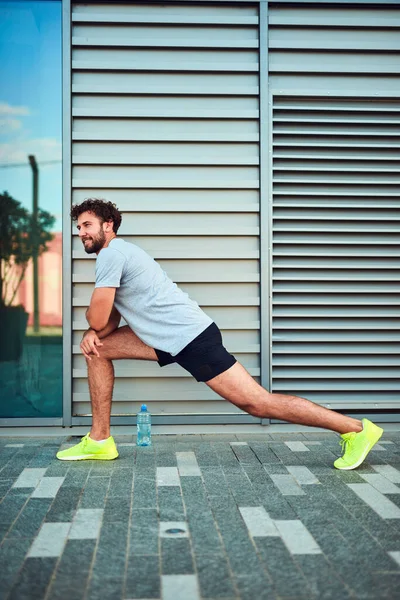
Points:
(91, 232)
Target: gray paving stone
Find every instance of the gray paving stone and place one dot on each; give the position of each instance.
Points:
(384, 507)
(180, 587)
(168, 476)
(33, 579)
(225, 454)
(176, 557)
(143, 577)
(194, 494)
(144, 531)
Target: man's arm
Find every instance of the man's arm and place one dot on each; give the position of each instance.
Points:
(101, 306)
(112, 325)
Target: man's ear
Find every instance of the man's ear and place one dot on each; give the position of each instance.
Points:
(108, 226)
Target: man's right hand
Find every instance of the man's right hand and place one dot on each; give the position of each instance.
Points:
(89, 344)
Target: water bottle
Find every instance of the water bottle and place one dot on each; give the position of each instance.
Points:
(143, 425)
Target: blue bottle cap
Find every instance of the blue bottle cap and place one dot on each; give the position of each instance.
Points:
(143, 408)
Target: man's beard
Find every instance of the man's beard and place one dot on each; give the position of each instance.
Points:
(95, 244)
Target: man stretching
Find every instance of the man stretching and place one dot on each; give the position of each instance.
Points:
(166, 326)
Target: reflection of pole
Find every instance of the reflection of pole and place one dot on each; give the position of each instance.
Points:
(35, 245)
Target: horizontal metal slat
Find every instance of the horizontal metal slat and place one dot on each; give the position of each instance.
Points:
(336, 348)
(310, 361)
(337, 323)
(160, 18)
(331, 38)
(321, 15)
(199, 247)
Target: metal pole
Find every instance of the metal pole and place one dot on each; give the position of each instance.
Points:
(35, 211)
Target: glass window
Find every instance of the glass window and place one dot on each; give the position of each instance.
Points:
(30, 210)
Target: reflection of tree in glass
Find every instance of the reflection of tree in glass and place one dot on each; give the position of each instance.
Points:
(20, 239)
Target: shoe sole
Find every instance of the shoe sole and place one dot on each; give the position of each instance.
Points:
(92, 457)
(363, 457)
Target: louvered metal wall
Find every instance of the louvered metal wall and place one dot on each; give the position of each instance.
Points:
(335, 88)
(165, 124)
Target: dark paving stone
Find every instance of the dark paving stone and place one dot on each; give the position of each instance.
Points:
(242, 489)
(94, 493)
(143, 577)
(194, 494)
(107, 577)
(30, 518)
(165, 455)
(117, 509)
(64, 505)
(255, 584)
(5, 485)
(144, 489)
(58, 468)
(322, 579)
(12, 504)
(225, 455)
(245, 455)
(203, 533)
(12, 555)
(206, 456)
(121, 483)
(145, 456)
(176, 557)
(263, 453)
(214, 481)
(76, 477)
(214, 576)
(144, 531)
(170, 503)
(33, 579)
(286, 577)
(72, 573)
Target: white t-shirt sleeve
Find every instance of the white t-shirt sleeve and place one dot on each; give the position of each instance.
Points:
(109, 268)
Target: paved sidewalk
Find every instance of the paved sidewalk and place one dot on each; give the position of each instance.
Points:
(200, 516)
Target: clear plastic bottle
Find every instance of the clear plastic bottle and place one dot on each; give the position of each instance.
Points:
(143, 426)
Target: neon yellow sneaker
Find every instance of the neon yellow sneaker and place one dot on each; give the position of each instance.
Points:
(89, 449)
(357, 445)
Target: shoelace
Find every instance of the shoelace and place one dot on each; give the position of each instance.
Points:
(347, 440)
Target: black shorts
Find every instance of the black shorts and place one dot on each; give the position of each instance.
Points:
(205, 357)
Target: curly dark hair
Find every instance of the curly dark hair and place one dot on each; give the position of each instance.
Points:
(103, 209)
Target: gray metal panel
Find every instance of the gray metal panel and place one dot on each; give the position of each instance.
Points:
(66, 203)
(336, 217)
(165, 123)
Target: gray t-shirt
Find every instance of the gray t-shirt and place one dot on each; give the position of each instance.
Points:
(161, 314)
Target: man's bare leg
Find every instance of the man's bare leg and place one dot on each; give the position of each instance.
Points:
(237, 386)
(122, 343)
